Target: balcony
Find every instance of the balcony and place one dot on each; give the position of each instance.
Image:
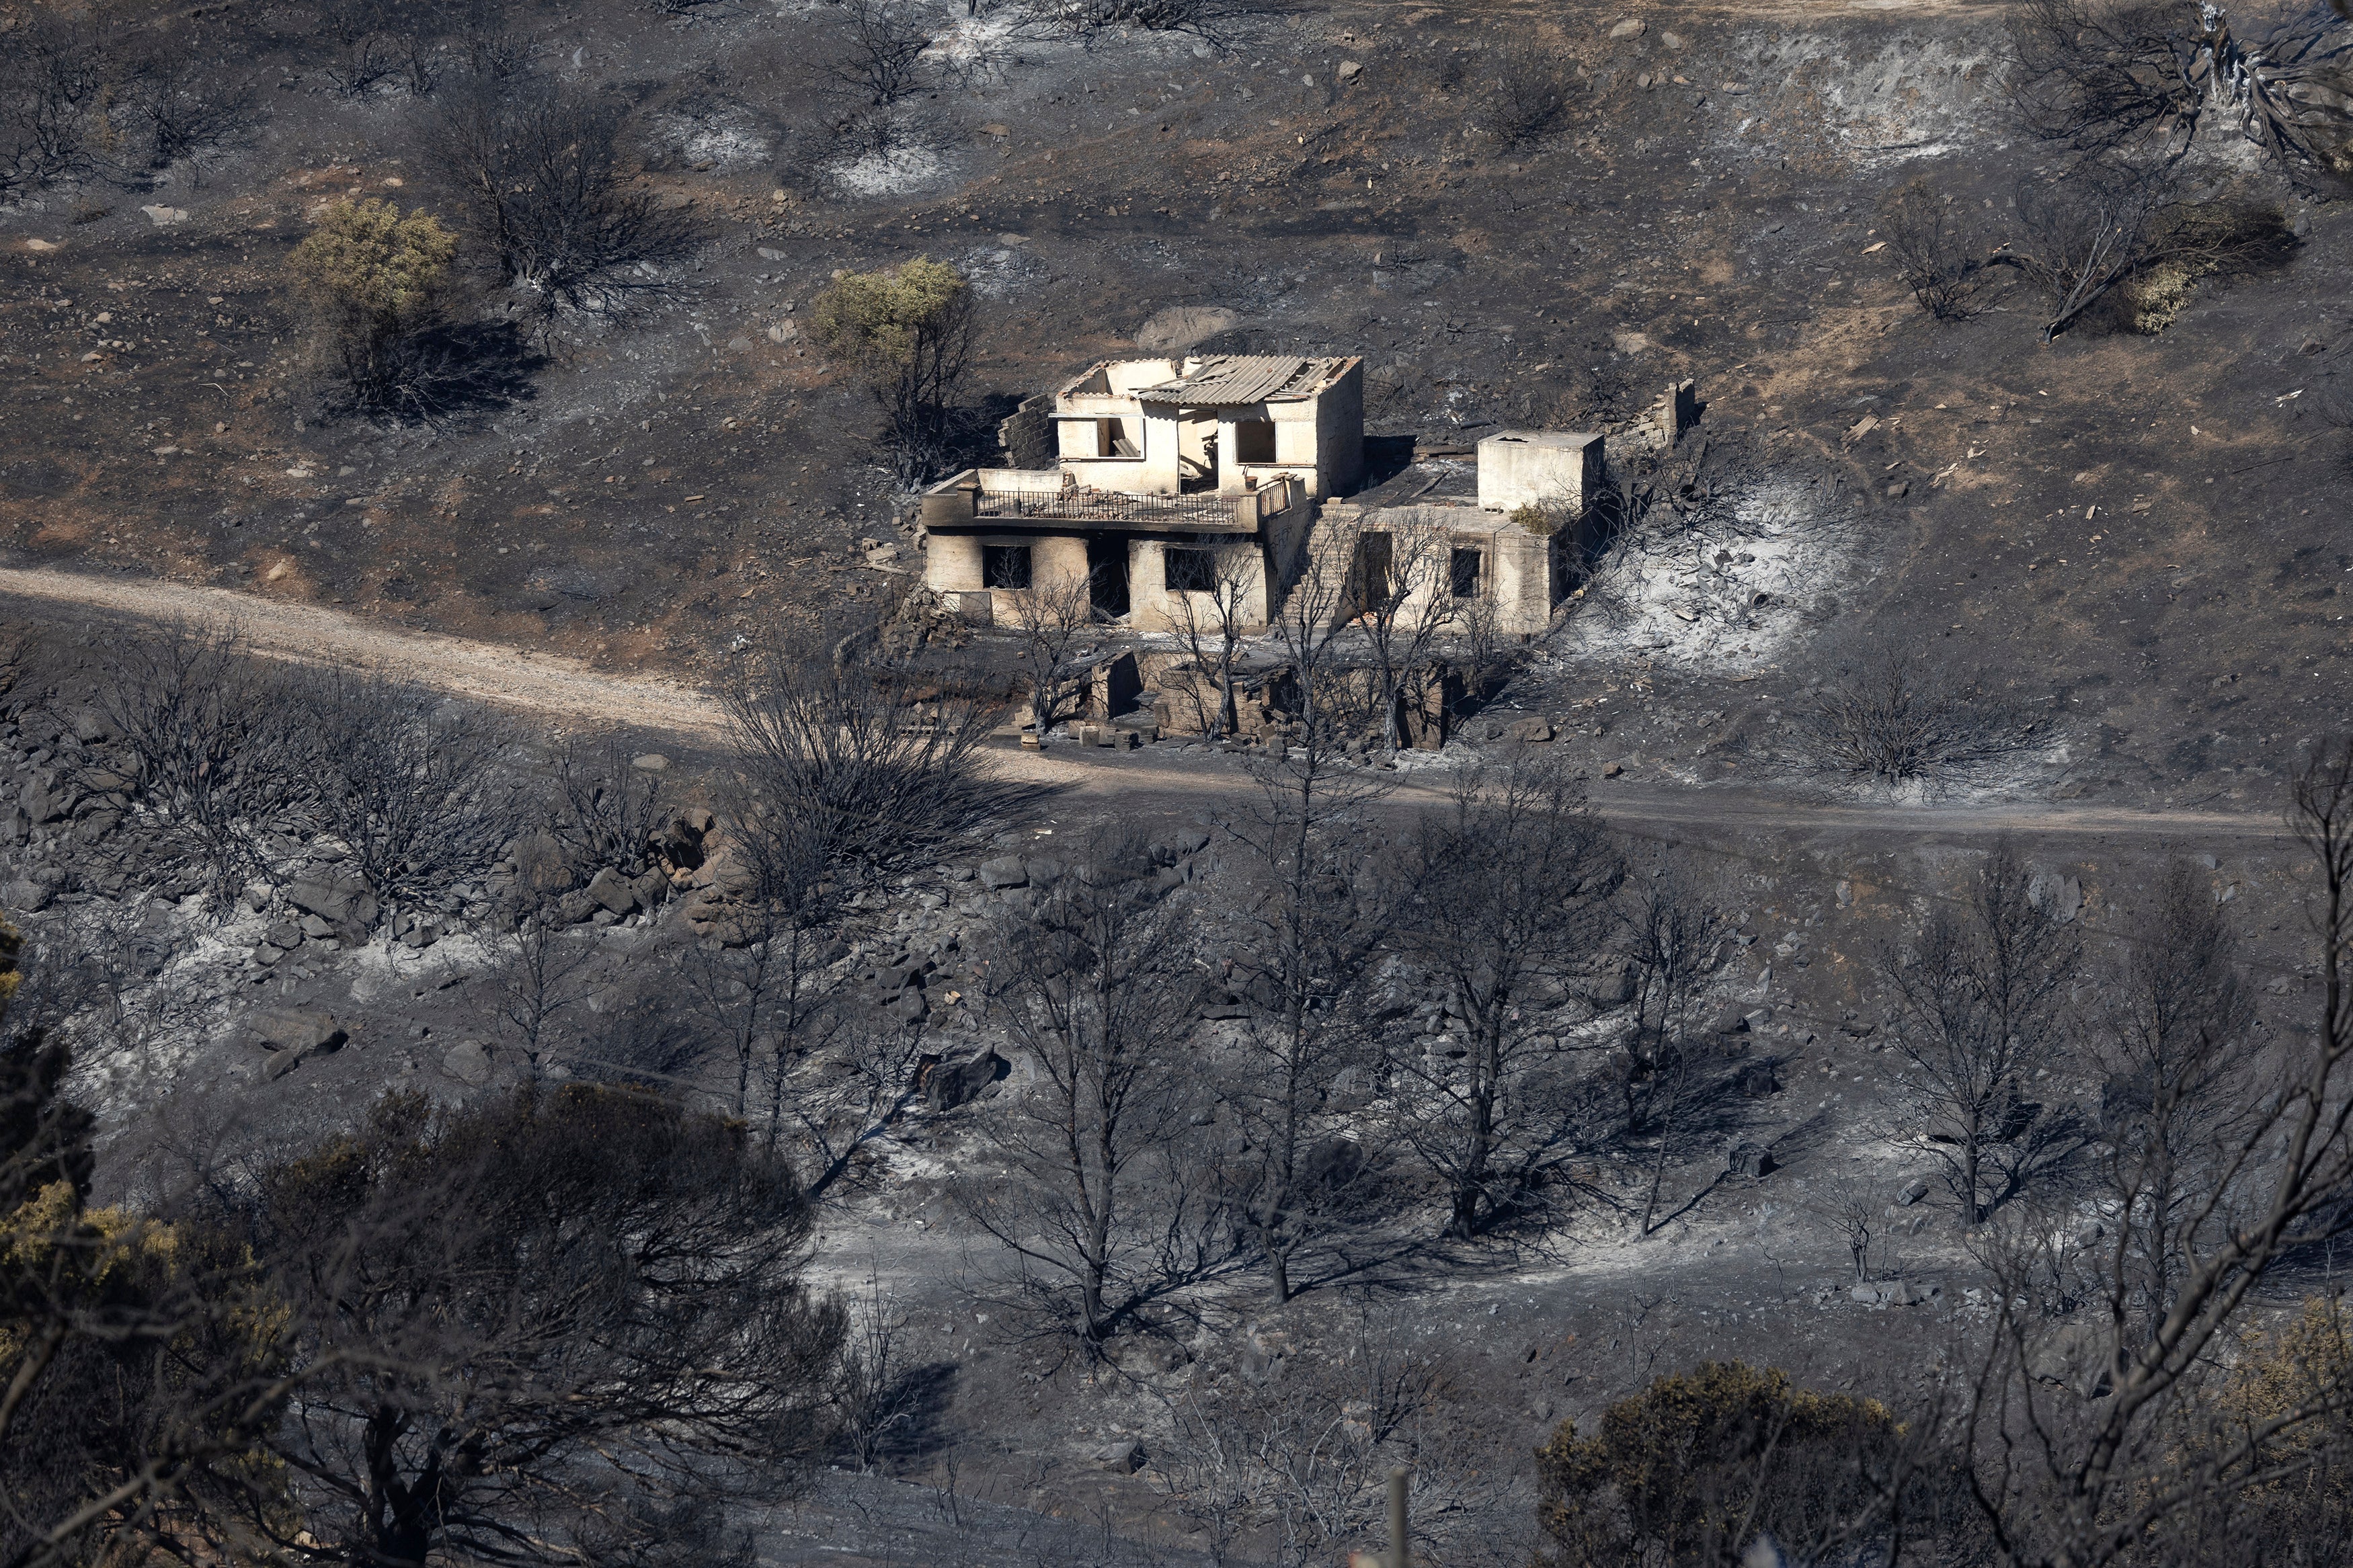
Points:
(979, 498)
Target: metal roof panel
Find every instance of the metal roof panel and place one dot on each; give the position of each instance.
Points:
(1229, 381)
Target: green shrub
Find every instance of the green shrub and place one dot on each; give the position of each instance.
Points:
(907, 334)
(1542, 520)
(378, 286)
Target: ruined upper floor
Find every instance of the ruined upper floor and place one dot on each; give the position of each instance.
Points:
(1221, 423)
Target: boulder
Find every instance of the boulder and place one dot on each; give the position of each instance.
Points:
(1005, 871)
(304, 1031)
(681, 843)
(24, 898)
(540, 863)
(1759, 1081)
(1611, 987)
(1167, 848)
(651, 889)
(952, 1084)
(1350, 70)
(1750, 1160)
(613, 890)
(1124, 1457)
(1182, 326)
(295, 1035)
(40, 806)
(468, 1062)
(1631, 27)
(910, 1007)
(1913, 1190)
(573, 907)
(1534, 732)
(338, 898)
(15, 825)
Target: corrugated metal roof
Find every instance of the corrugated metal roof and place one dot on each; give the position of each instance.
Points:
(1228, 381)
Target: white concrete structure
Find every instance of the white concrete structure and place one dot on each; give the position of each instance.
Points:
(1176, 481)
(1160, 426)
(1552, 468)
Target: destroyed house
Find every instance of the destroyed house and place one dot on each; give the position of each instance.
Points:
(1179, 483)
(1173, 477)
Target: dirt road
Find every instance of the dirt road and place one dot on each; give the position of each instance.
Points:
(561, 688)
(544, 684)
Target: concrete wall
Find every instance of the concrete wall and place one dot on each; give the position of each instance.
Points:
(952, 564)
(1539, 468)
(1340, 435)
(1520, 577)
(1155, 609)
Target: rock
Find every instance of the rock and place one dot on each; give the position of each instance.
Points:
(340, 899)
(1613, 770)
(1532, 731)
(652, 762)
(1350, 70)
(24, 898)
(313, 926)
(1897, 490)
(613, 890)
(1674, 41)
(952, 1084)
(1182, 326)
(468, 1062)
(1759, 1080)
(651, 889)
(284, 934)
(1124, 1457)
(1005, 871)
(1750, 1160)
(573, 907)
(161, 215)
(1631, 27)
(2059, 898)
(540, 862)
(1611, 987)
(296, 1035)
(1870, 1293)
(41, 807)
(1913, 1190)
(15, 825)
(1732, 1020)
(1169, 848)
(911, 1006)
